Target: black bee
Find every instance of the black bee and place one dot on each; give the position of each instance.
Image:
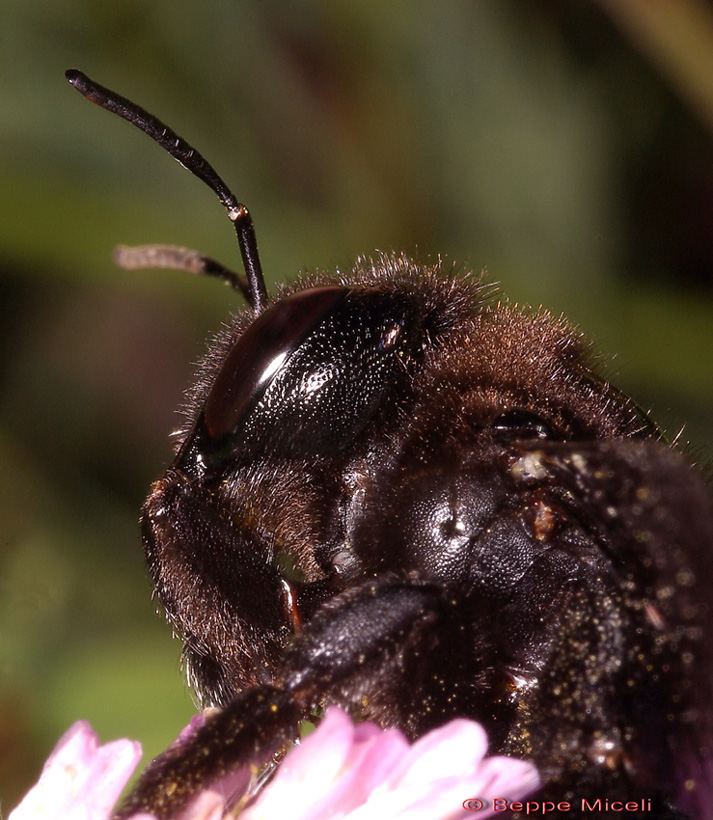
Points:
(393, 493)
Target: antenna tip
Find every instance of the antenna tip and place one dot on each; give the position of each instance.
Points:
(77, 78)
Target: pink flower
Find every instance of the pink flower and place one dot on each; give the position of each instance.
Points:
(341, 770)
(81, 780)
(360, 772)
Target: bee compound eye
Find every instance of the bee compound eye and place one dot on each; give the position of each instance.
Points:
(308, 375)
(260, 352)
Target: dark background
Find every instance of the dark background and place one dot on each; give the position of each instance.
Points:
(565, 146)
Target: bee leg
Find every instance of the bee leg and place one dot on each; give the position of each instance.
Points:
(389, 649)
(353, 652)
(255, 726)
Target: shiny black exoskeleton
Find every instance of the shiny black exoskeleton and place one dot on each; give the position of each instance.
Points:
(394, 494)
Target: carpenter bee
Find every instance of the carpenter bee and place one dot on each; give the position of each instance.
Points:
(393, 493)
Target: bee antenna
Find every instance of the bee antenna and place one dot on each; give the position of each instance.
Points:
(191, 159)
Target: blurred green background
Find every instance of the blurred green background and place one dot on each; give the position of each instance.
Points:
(565, 146)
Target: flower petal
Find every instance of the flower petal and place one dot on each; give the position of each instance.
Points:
(442, 769)
(81, 780)
(448, 751)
